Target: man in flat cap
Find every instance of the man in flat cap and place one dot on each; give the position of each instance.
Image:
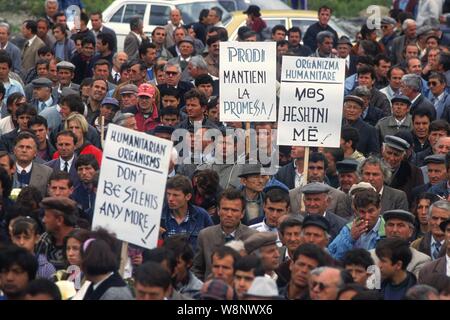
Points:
(388, 28)
(441, 188)
(105, 115)
(368, 138)
(128, 95)
(253, 183)
(347, 174)
(316, 230)
(344, 47)
(405, 176)
(436, 171)
(400, 224)
(60, 218)
(42, 94)
(264, 246)
(399, 120)
(316, 198)
(65, 72)
(440, 265)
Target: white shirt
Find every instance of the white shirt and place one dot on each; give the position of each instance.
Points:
(95, 286)
(299, 181)
(138, 36)
(399, 122)
(27, 168)
(30, 42)
(447, 259)
(263, 227)
(63, 162)
(433, 241)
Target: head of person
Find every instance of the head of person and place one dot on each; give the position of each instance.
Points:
(86, 165)
(374, 171)
(422, 205)
(353, 108)
(223, 260)
(24, 113)
(29, 29)
(367, 207)
(178, 192)
(317, 167)
(344, 46)
(65, 72)
(315, 197)
(136, 25)
(25, 232)
(73, 243)
(264, 246)
(51, 7)
(437, 213)
(13, 102)
(77, 123)
(126, 120)
(205, 84)
(366, 76)
(138, 72)
(347, 170)
(70, 103)
(184, 254)
(409, 27)
(294, 36)
(231, 208)
(421, 119)
(437, 82)
(38, 125)
(18, 267)
(394, 151)
(394, 255)
(279, 32)
(5, 67)
(60, 184)
(88, 46)
(25, 148)
(306, 258)
(349, 137)
(399, 223)
(108, 109)
(246, 270)
(276, 204)
(325, 41)
(324, 13)
(59, 213)
(196, 102)
(411, 85)
(152, 282)
(395, 75)
(215, 15)
(325, 283)
(172, 73)
(169, 116)
(315, 230)
(356, 261)
(42, 289)
(436, 168)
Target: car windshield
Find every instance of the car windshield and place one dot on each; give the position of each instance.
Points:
(191, 11)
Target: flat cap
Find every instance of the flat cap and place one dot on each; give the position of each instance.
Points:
(347, 166)
(317, 221)
(396, 143)
(263, 287)
(216, 289)
(443, 225)
(42, 83)
(162, 129)
(65, 65)
(356, 99)
(66, 91)
(110, 101)
(435, 158)
(66, 206)
(388, 20)
(315, 187)
(187, 39)
(258, 240)
(360, 187)
(423, 30)
(401, 98)
(250, 170)
(128, 88)
(345, 40)
(399, 214)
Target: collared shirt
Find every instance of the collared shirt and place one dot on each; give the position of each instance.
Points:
(414, 100)
(69, 163)
(138, 36)
(115, 74)
(299, 181)
(6, 44)
(447, 259)
(433, 241)
(263, 227)
(95, 286)
(27, 168)
(399, 122)
(30, 42)
(45, 104)
(368, 238)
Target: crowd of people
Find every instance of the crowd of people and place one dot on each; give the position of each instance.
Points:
(369, 220)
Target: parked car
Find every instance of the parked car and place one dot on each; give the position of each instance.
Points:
(289, 18)
(154, 13)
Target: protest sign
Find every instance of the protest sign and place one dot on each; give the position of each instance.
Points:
(311, 99)
(131, 186)
(248, 81)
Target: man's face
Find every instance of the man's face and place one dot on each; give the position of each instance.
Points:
(343, 50)
(438, 215)
(25, 150)
(59, 188)
(129, 100)
(51, 8)
(352, 111)
(130, 123)
(410, 31)
(42, 29)
(96, 22)
(382, 68)
(421, 126)
(65, 76)
(243, 281)
(186, 49)
(177, 199)
(4, 72)
(415, 67)
(392, 156)
(369, 214)
(175, 16)
(206, 88)
(422, 210)
(366, 80)
(42, 93)
(179, 35)
(279, 35)
(294, 39)
(315, 235)
(400, 110)
(388, 269)
(436, 172)
(324, 16)
(254, 183)
(436, 86)
(144, 292)
(292, 238)
(170, 120)
(433, 58)
(212, 17)
(159, 36)
(4, 162)
(398, 228)
(172, 75)
(273, 211)
(107, 111)
(270, 257)
(65, 111)
(387, 29)
(346, 180)
(358, 272)
(325, 285)
(42, 70)
(230, 212)
(170, 101)
(282, 50)
(146, 103)
(301, 270)
(23, 120)
(14, 281)
(222, 268)
(442, 144)
(150, 57)
(214, 49)
(58, 34)
(86, 173)
(411, 52)
(101, 71)
(88, 49)
(315, 203)
(194, 109)
(40, 131)
(396, 78)
(316, 171)
(98, 90)
(121, 58)
(326, 46)
(51, 221)
(3, 35)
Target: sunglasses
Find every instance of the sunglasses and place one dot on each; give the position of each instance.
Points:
(171, 73)
(322, 286)
(384, 27)
(433, 83)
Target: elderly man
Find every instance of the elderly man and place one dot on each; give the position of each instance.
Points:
(400, 224)
(370, 114)
(441, 188)
(399, 120)
(11, 49)
(375, 171)
(436, 171)
(134, 38)
(411, 87)
(388, 28)
(42, 92)
(347, 170)
(325, 41)
(325, 283)
(439, 95)
(398, 44)
(315, 230)
(175, 22)
(432, 243)
(405, 176)
(264, 246)
(394, 76)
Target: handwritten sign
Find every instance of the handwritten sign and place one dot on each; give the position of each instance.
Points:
(248, 81)
(131, 186)
(311, 99)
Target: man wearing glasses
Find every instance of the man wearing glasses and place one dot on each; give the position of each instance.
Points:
(325, 283)
(172, 75)
(388, 29)
(439, 96)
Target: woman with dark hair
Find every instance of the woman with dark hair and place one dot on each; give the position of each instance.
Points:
(254, 20)
(9, 120)
(99, 263)
(420, 210)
